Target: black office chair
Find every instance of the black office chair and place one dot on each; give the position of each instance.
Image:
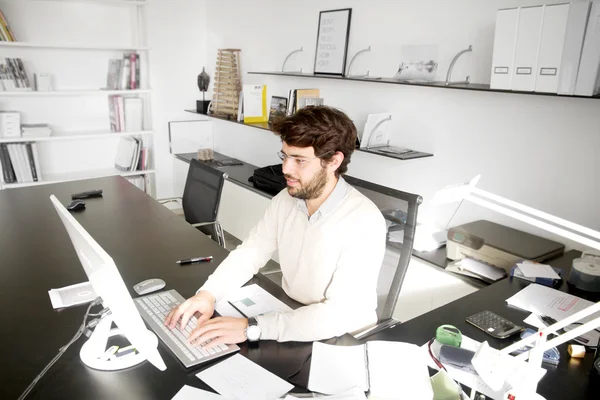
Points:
(400, 212)
(201, 198)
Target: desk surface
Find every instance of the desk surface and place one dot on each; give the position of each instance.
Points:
(568, 380)
(144, 239)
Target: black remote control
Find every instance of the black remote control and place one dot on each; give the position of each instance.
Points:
(87, 195)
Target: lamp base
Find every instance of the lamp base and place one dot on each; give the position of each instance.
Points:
(202, 106)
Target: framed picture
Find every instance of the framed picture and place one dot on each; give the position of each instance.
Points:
(278, 108)
(332, 42)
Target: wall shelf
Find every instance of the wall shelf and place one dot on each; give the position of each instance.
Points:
(27, 45)
(479, 87)
(265, 126)
(77, 176)
(76, 135)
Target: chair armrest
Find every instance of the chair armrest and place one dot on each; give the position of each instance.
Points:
(204, 223)
(168, 200)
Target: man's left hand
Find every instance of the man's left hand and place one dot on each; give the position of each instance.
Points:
(220, 330)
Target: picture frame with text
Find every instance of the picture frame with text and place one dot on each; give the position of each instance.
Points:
(332, 42)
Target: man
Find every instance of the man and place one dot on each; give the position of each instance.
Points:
(330, 239)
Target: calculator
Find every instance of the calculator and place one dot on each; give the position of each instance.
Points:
(494, 325)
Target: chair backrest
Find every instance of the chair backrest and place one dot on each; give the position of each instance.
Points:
(400, 212)
(202, 195)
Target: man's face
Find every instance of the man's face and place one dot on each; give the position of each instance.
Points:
(305, 175)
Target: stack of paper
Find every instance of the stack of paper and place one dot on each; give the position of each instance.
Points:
(250, 301)
(239, 378)
(535, 270)
(477, 269)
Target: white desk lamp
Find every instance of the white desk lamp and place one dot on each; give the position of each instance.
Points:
(497, 367)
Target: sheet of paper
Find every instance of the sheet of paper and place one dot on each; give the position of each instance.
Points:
(239, 378)
(337, 369)
(226, 310)
(534, 270)
(534, 321)
(542, 300)
(253, 100)
(398, 369)
(192, 393)
(252, 300)
(352, 394)
(67, 296)
(480, 269)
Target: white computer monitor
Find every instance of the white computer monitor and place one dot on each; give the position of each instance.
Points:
(108, 284)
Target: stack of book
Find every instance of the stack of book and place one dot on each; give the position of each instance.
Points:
(20, 163)
(13, 76)
(299, 98)
(124, 74)
(6, 34)
(125, 113)
(36, 130)
(132, 155)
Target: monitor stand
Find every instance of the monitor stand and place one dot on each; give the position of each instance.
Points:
(93, 350)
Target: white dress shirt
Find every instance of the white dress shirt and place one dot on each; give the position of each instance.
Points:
(330, 262)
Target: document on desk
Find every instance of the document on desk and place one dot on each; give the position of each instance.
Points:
(192, 393)
(388, 370)
(73, 295)
(542, 300)
(352, 394)
(239, 378)
(250, 301)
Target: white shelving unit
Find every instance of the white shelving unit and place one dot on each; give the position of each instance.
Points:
(91, 140)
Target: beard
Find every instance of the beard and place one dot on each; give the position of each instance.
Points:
(311, 189)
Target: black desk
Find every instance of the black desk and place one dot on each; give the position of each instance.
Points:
(568, 380)
(144, 239)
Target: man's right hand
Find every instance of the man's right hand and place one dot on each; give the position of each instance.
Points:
(203, 303)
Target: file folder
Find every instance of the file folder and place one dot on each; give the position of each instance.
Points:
(527, 47)
(505, 37)
(552, 41)
(575, 34)
(589, 66)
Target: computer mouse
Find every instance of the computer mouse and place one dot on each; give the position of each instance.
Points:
(76, 205)
(149, 286)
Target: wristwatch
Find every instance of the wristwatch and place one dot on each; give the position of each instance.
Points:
(253, 330)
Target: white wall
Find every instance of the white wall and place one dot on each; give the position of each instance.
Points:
(177, 40)
(541, 151)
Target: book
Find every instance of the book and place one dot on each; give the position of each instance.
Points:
(255, 103)
(133, 114)
(278, 108)
(389, 370)
(6, 31)
(305, 93)
(126, 154)
(311, 101)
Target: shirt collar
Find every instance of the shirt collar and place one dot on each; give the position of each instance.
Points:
(330, 203)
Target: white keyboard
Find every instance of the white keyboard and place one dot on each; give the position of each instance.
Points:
(155, 307)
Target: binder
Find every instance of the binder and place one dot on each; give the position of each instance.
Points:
(505, 37)
(574, 36)
(527, 47)
(552, 39)
(588, 83)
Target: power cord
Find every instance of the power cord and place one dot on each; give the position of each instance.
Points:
(62, 350)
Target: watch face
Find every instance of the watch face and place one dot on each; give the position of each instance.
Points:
(253, 333)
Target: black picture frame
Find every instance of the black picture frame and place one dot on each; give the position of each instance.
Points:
(319, 66)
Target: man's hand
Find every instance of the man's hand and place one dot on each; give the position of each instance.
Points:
(203, 303)
(220, 330)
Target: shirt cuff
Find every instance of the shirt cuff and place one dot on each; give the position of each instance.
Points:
(268, 326)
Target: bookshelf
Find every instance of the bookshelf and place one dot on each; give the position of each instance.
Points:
(77, 176)
(82, 145)
(479, 87)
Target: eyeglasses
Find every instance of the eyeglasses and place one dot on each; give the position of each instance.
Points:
(300, 161)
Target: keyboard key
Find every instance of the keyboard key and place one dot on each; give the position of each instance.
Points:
(223, 346)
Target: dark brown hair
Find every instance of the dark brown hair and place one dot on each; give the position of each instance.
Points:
(326, 129)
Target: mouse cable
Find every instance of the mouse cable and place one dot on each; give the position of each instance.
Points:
(62, 350)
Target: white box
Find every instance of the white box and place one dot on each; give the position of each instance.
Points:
(10, 124)
(527, 47)
(575, 34)
(554, 28)
(588, 82)
(505, 37)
